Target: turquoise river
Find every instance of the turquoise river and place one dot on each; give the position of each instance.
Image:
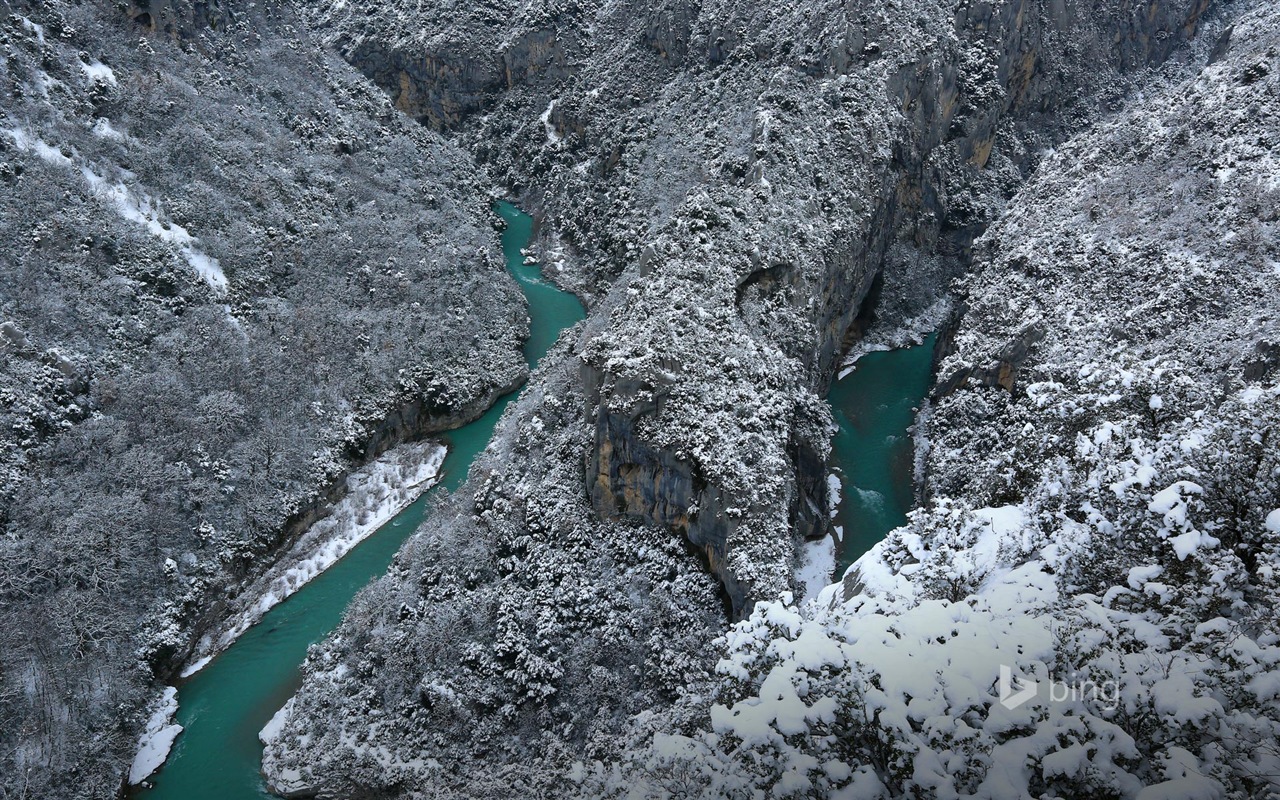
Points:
(223, 706)
(873, 451)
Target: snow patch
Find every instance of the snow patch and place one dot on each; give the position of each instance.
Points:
(135, 208)
(196, 666)
(103, 129)
(38, 30)
(141, 209)
(1003, 520)
(1172, 504)
(157, 739)
(553, 136)
(271, 731)
(851, 361)
(375, 494)
(816, 565)
(834, 493)
(43, 150)
(97, 72)
(876, 577)
(1141, 576)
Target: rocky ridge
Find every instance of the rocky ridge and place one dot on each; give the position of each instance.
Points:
(727, 185)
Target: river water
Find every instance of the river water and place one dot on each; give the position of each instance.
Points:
(224, 706)
(873, 452)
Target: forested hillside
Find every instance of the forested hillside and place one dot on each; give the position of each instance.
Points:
(734, 186)
(245, 248)
(1103, 501)
(230, 271)
(729, 183)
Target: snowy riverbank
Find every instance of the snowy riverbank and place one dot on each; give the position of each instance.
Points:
(157, 738)
(375, 494)
(896, 335)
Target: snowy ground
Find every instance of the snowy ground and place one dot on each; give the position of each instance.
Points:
(816, 565)
(157, 738)
(143, 210)
(816, 561)
(375, 494)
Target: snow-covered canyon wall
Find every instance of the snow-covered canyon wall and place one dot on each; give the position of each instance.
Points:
(230, 273)
(1087, 604)
(726, 184)
(749, 175)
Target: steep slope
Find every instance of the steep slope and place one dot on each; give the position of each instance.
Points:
(728, 185)
(1104, 502)
(230, 271)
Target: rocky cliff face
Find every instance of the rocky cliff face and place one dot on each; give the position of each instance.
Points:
(1003, 74)
(180, 18)
(629, 479)
(726, 184)
(442, 82)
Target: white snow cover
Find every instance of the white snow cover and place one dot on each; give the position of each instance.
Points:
(816, 561)
(46, 152)
(283, 780)
(552, 135)
(157, 739)
(141, 209)
(975, 556)
(103, 129)
(133, 207)
(33, 27)
(892, 651)
(1140, 474)
(273, 726)
(1172, 504)
(97, 71)
(289, 779)
(815, 566)
(375, 494)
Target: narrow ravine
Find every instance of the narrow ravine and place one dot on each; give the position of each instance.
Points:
(224, 706)
(872, 452)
